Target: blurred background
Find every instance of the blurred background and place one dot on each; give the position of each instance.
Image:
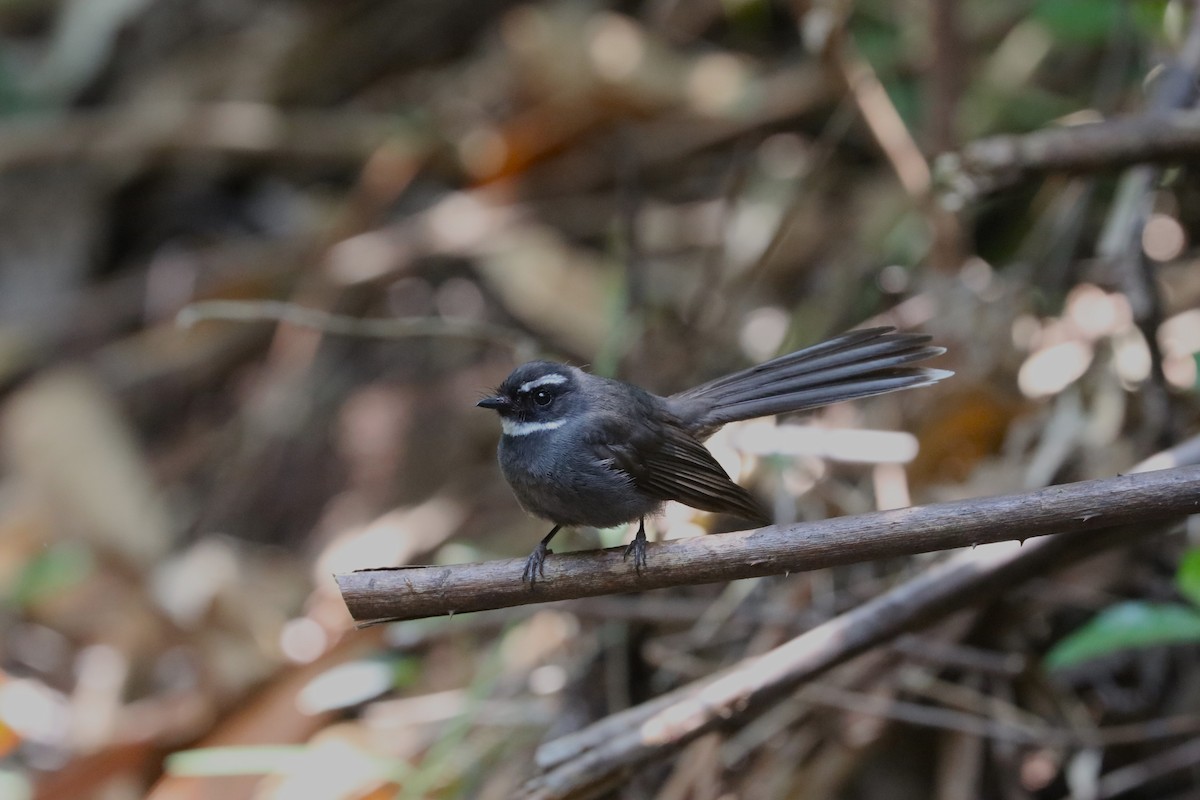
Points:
(201, 199)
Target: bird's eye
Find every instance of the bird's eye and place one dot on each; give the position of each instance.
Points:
(542, 397)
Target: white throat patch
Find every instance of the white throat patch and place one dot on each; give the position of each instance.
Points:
(514, 428)
(553, 379)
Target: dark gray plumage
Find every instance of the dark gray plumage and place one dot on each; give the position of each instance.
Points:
(579, 449)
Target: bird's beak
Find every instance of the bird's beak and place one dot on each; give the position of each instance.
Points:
(496, 403)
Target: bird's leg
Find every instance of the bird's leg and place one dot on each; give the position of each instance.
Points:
(535, 565)
(638, 546)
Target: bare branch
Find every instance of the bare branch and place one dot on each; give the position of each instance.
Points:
(231, 128)
(316, 319)
(410, 593)
(997, 161)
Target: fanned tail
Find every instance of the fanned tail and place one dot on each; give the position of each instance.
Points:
(853, 365)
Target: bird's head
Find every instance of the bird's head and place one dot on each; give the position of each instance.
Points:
(536, 397)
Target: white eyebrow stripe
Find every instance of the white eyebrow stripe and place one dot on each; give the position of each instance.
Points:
(513, 428)
(546, 380)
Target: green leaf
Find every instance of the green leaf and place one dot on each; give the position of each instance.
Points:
(211, 762)
(1125, 626)
(51, 572)
(14, 785)
(1094, 21)
(1187, 577)
(225, 761)
(1089, 21)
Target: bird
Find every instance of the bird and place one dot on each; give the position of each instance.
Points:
(582, 450)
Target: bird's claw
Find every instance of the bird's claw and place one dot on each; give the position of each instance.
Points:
(638, 548)
(535, 565)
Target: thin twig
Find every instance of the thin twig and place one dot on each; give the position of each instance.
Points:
(996, 161)
(898, 145)
(415, 592)
(930, 716)
(232, 128)
(885, 122)
(946, 74)
(300, 316)
(1128, 778)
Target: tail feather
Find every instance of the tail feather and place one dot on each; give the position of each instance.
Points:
(811, 357)
(854, 365)
(797, 377)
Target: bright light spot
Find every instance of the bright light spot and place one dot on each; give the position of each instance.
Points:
(346, 685)
(483, 151)
(763, 331)
(1163, 238)
(391, 538)
(1096, 312)
(1180, 339)
(1038, 770)
(851, 446)
(1018, 56)
(102, 672)
(302, 640)
(800, 478)
(405, 712)
(817, 26)
(721, 445)
(534, 641)
(462, 220)
(363, 257)
(14, 785)
(1180, 334)
(186, 584)
(1049, 371)
(679, 522)
(976, 275)
(1084, 116)
(1131, 357)
(35, 711)
(752, 227)
(1083, 771)
(616, 47)
(891, 487)
(334, 765)
(684, 530)
(547, 679)
(1163, 460)
(1180, 372)
(716, 83)
(784, 156)
(893, 279)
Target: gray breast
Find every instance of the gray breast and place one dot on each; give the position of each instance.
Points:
(557, 476)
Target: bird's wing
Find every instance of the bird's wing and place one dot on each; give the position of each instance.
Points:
(666, 463)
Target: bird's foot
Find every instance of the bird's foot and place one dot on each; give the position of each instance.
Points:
(535, 565)
(638, 548)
